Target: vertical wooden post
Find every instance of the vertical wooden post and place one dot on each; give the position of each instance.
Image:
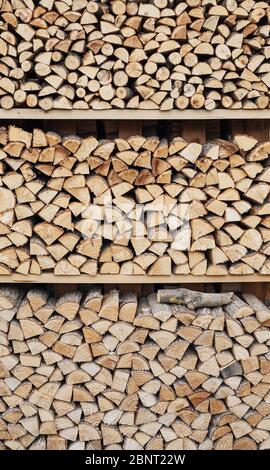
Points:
(111, 129)
(237, 127)
(231, 287)
(175, 129)
(193, 131)
(259, 128)
(148, 289)
(212, 129)
(63, 127)
(61, 289)
(129, 128)
(257, 288)
(86, 128)
(109, 287)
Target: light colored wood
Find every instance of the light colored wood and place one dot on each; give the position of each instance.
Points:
(142, 115)
(129, 170)
(127, 129)
(159, 55)
(49, 278)
(146, 374)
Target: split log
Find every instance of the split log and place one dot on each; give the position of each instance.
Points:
(134, 55)
(94, 371)
(137, 206)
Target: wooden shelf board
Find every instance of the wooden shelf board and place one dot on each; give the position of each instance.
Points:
(131, 114)
(49, 278)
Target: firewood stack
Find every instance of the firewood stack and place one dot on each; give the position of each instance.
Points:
(133, 206)
(87, 371)
(159, 54)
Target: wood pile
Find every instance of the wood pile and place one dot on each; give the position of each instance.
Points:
(87, 371)
(159, 54)
(133, 206)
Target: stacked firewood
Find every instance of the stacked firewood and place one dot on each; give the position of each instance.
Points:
(133, 206)
(87, 371)
(161, 54)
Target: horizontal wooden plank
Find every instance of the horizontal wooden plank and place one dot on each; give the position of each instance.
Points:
(131, 114)
(49, 278)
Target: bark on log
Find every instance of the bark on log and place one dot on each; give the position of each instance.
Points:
(94, 371)
(135, 55)
(133, 206)
(193, 299)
